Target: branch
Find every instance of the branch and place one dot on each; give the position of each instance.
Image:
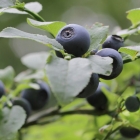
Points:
(35, 119)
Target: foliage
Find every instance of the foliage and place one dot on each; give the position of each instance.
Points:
(67, 77)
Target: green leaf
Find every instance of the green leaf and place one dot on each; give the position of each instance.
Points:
(15, 33)
(35, 60)
(11, 121)
(97, 33)
(7, 76)
(101, 65)
(68, 78)
(28, 75)
(126, 32)
(23, 86)
(6, 3)
(35, 7)
(128, 92)
(51, 27)
(134, 16)
(111, 97)
(132, 51)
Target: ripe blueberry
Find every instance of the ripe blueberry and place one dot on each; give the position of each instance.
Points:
(75, 39)
(117, 62)
(98, 99)
(113, 42)
(129, 132)
(91, 87)
(37, 98)
(2, 89)
(132, 103)
(24, 104)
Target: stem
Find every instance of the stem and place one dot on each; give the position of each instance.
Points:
(111, 132)
(35, 15)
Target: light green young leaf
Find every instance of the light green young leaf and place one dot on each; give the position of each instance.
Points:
(11, 121)
(7, 76)
(6, 3)
(134, 16)
(35, 7)
(35, 60)
(15, 33)
(51, 27)
(132, 51)
(97, 33)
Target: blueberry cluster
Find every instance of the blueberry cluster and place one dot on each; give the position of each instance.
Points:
(75, 40)
(31, 99)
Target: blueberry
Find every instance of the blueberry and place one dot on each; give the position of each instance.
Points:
(98, 99)
(113, 42)
(75, 39)
(132, 103)
(117, 62)
(129, 132)
(37, 98)
(91, 87)
(2, 89)
(24, 104)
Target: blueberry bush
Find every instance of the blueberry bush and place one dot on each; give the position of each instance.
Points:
(86, 87)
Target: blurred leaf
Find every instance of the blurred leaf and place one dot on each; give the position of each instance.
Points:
(101, 65)
(105, 128)
(32, 6)
(11, 121)
(97, 33)
(15, 33)
(28, 75)
(6, 3)
(65, 77)
(134, 16)
(35, 60)
(128, 92)
(23, 86)
(111, 97)
(126, 32)
(7, 76)
(51, 27)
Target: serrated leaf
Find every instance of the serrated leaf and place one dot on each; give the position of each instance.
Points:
(7, 76)
(51, 27)
(68, 78)
(97, 33)
(134, 16)
(35, 60)
(11, 121)
(6, 3)
(101, 65)
(15, 33)
(35, 7)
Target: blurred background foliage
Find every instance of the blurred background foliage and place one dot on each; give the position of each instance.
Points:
(108, 12)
